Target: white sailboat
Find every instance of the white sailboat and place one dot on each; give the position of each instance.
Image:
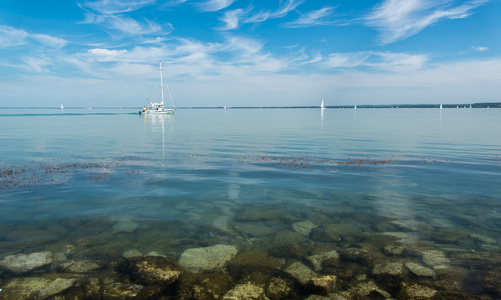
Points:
(441, 106)
(322, 105)
(154, 108)
(61, 107)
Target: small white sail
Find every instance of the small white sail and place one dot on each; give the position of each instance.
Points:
(322, 105)
(440, 105)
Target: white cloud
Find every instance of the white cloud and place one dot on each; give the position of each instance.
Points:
(312, 18)
(111, 7)
(50, 41)
(399, 19)
(231, 18)
(480, 48)
(11, 37)
(111, 13)
(214, 5)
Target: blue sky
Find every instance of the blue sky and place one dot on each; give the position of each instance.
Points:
(249, 53)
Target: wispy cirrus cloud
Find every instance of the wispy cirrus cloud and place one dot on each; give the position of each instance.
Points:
(234, 18)
(11, 37)
(113, 15)
(313, 18)
(213, 5)
(397, 20)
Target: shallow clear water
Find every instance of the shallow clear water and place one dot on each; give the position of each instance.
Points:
(204, 177)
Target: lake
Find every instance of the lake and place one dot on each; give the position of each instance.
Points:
(279, 203)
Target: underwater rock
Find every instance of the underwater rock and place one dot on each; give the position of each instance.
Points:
(388, 269)
(483, 238)
(291, 251)
(254, 260)
(151, 270)
(22, 263)
(435, 259)
(119, 290)
(207, 286)
(304, 227)
(207, 258)
(288, 237)
(246, 291)
(221, 224)
(323, 284)
(324, 236)
(126, 226)
(131, 253)
(300, 272)
(394, 249)
(330, 258)
(420, 271)
(360, 256)
(279, 288)
(369, 288)
(79, 266)
(415, 291)
(254, 229)
(36, 287)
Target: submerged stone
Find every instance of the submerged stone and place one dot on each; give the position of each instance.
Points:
(279, 288)
(22, 263)
(420, 271)
(415, 291)
(36, 287)
(207, 258)
(300, 272)
(246, 291)
(119, 290)
(330, 258)
(79, 266)
(126, 226)
(292, 251)
(435, 259)
(151, 270)
(254, 260)
(209, 286)
(304, 227)
(323, 284)
(388, 269)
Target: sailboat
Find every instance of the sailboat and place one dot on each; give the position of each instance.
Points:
(154, 108)
(61, 107)
(322, 105)
(441, 106)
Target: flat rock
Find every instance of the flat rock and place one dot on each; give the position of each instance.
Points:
(369, 287)
(415, 291)
(254, 229)
(435, 259)
(246, 291)
(254, 260)
(288, 237)
(131, 253)
(323, 284)
(22, 263)
(300, 272)
(79, 266)
(330, 258)
(389, 268)
(118, 290)
(36, 287)
(304, 227)
(207, 258)
(126, 226)
(420, 271)
(151, 270)
(483, 238)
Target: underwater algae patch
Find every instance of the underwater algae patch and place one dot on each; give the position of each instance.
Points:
(56, 172)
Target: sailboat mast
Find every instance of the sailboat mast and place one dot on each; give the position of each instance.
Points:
(162, 83)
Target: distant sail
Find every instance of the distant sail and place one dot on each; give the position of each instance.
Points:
(322, 105)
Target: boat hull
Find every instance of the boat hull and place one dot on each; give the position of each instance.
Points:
(157, 112)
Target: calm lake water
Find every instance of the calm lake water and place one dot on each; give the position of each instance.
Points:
(109, 181)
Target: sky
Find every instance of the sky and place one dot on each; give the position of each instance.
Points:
(106, 53)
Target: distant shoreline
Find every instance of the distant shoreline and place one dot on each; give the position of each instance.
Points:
(458, 105)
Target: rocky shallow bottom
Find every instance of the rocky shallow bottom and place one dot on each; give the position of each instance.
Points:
(249, 253)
